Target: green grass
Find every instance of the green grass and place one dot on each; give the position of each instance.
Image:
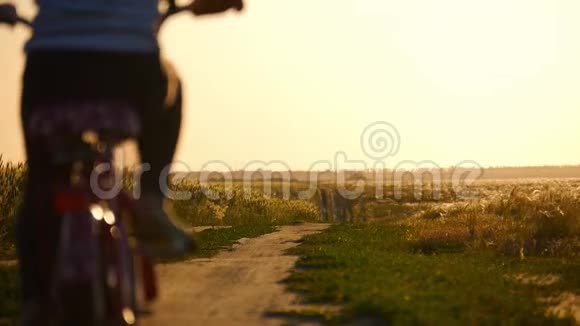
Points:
(213, 240)
(372, 272)
(9, 294)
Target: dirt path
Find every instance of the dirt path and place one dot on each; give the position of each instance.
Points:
(234, 288)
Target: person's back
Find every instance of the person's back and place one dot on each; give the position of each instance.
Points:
(97, 50)
(100, 25)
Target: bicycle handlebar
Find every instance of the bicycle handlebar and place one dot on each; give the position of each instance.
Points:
(9, 15)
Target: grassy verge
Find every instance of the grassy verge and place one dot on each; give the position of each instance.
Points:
(213, 240)
(9, 294)
(210, 242)
(373, 271)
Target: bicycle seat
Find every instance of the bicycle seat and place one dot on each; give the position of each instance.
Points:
(112, 120)
(80, 130)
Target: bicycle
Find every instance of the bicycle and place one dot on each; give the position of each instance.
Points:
(100, 266)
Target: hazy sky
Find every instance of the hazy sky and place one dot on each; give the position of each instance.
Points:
(495, 81)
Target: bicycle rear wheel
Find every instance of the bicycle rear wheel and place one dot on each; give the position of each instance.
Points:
(94, 281)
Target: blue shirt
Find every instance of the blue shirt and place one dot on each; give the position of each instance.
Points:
(95, 25)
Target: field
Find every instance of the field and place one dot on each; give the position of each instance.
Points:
(510, 254)
(375, 275)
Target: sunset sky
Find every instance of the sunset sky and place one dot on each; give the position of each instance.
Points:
(494, 81)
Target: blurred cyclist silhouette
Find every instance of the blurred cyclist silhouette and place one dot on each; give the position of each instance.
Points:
(87, 50)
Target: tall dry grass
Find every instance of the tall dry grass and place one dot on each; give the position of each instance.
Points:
(523, 218)
(533, 219)
(239, 208)
(12, 178)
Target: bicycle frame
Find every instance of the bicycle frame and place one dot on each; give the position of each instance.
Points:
(95, 275)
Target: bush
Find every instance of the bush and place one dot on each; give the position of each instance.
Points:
(239, 208)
